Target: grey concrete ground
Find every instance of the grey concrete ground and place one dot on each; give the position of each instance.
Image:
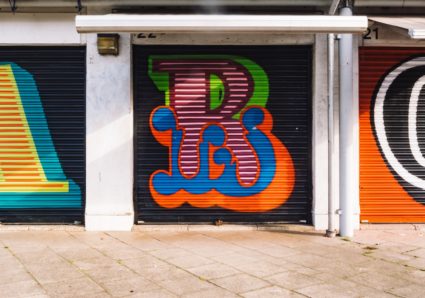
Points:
(381, 261)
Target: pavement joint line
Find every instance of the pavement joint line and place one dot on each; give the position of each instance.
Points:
(395, 295)
(271, 285)
(405, 252)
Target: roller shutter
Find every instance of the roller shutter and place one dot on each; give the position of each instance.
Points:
(42, 134)
(392, 134)
(222, 133)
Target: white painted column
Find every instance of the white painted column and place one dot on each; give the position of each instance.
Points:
(320, 134)
(109, 195)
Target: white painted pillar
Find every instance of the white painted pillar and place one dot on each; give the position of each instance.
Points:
(109, 161)
(320, 133)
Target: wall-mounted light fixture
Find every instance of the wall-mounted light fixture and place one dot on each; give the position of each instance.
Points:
(108, 44)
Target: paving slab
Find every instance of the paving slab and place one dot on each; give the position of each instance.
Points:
(293, 280)
(208, 261)
(212, 271)
(240, 283)
(53, 272)
(130, 286)
(79, 287)
(182, 286)
(21, 289)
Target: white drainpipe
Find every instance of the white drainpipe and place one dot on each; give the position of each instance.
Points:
(330, 232)
(347, 167)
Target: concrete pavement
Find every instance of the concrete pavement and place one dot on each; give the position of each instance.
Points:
(199, 261)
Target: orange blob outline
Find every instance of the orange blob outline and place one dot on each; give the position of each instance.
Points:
(276, 194)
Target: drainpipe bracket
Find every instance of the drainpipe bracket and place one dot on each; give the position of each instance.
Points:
(330, 234)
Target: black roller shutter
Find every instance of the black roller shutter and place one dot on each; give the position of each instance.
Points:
(258, 175)
(42, 133)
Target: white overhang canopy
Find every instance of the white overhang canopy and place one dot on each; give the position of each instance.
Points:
(220, 23)
(415, 26)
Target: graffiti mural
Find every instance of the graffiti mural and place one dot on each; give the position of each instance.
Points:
(222, 132)
(219, 135)
(397, 101)
(392, 139)
(31, 175)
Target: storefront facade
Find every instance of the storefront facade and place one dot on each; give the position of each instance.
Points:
(187, 127)
(237, 77)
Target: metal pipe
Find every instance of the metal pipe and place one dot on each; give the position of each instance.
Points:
(346, 132)
(330, 232)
